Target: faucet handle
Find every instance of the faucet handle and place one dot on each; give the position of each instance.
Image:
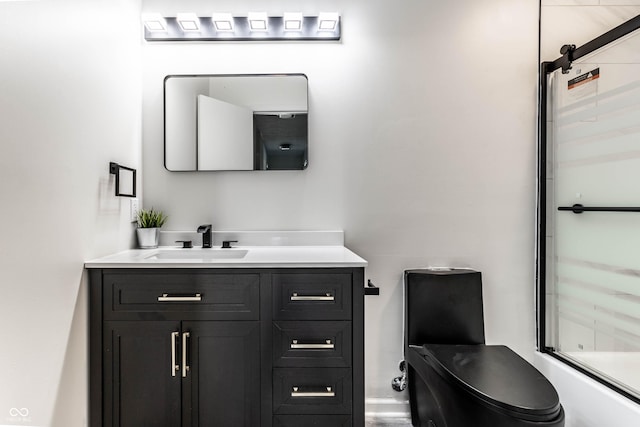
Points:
(185, 243)
(226, 244)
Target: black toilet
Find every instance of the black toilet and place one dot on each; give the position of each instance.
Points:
(454, 378)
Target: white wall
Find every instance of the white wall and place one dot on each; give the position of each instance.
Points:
(422, 148)
(70, 103)
(587, 403)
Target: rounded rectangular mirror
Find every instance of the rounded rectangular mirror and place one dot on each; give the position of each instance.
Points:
(235, 122)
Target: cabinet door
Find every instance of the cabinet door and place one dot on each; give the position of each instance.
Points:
(222, 387)
(139, 386)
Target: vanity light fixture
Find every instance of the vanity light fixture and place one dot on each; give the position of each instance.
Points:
(292, 21)
(258, 21)
(255, 26)
(154, 22)
(222, 21)
(328, 21)
(188, 22)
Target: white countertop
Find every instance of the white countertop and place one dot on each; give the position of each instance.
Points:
(256, 257)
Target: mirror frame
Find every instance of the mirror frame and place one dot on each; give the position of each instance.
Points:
(306, 150)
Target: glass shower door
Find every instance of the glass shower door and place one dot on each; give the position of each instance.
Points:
(592, 240)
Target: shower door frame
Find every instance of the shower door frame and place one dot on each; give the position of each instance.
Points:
(546, 68)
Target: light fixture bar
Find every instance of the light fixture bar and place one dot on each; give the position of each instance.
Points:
(225, 27)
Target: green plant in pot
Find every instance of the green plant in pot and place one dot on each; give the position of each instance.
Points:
(148, 231)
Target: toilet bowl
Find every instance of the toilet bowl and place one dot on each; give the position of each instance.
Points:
(454, 378)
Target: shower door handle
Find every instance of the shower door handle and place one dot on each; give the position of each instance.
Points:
(578, 209)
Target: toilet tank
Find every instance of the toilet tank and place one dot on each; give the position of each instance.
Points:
(443, 306)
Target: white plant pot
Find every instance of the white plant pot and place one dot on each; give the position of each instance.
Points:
(148, 237)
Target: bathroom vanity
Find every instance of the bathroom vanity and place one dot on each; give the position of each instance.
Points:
(248, 336)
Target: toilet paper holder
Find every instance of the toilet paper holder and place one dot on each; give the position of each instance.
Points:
(371, 289)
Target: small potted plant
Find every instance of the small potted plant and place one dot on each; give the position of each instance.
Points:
(149, 223)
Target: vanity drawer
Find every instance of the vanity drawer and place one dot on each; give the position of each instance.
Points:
(312, 421)
(312, 343)
(312, 391)
(191, 296)
(312, 296)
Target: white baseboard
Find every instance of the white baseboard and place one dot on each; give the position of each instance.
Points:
(386, 408)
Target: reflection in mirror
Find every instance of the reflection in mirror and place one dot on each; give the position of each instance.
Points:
(235, 122)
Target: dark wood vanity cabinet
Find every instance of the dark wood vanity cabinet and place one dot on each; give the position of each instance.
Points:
(226, 347)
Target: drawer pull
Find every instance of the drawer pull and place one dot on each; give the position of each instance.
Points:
(328, 393)
(325, 297)
(185, 366)
(174, 366)
(176, 298)
(328, 345)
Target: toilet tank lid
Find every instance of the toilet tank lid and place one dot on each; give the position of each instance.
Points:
(497, 375)
(437, 271)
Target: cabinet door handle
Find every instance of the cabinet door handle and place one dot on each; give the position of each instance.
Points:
(323, 392)
(174, 366)
(180, 298)
(325, 297)
(327, 345)
(185, 367)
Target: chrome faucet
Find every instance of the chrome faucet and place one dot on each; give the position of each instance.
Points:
(206, 235)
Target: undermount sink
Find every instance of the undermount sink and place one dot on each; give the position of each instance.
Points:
(198, 254)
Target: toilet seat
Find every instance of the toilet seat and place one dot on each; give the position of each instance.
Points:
(497, 376)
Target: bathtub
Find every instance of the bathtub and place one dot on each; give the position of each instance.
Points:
(586, 402)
